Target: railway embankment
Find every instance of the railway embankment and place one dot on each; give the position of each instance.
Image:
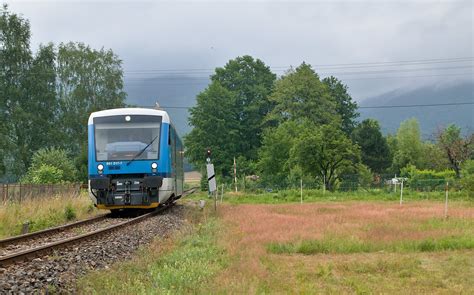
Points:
(36, 214)
(58, 270)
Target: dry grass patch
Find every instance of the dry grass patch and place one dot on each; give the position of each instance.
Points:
(42, 213)
(394, 238)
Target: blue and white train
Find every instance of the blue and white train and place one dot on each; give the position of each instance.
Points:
(135, 159)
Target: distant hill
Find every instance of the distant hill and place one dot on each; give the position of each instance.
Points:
(168, 91)
(182, 91)
(430, 118)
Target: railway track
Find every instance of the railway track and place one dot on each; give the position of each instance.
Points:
(13, 255)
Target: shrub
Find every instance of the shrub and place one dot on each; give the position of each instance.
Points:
(467, 177)
(46, 174)
(427, 180)
(69, 213)
(50, 166)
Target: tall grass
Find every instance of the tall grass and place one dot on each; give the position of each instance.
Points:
(182, 266)
(352, 245)
(42, 213)
(314, 195)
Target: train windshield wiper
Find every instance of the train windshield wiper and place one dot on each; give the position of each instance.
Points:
(141, 152)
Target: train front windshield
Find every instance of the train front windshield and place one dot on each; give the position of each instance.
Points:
(125, 137)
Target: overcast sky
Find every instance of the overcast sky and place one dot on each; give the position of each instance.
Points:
(203, 35)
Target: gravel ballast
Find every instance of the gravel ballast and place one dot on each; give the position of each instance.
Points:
(59, 270)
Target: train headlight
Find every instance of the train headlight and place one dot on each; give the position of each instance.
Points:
(154, 166)
(100, 168)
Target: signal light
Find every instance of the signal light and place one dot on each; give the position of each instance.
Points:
(208, 152)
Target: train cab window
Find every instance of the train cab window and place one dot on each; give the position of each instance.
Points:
(117, 138)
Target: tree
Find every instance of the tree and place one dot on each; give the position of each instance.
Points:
(299, 95)
(433, 157)
(409, 146)
(88, 80)
(35, 121)
(229, 114)
(214, 119)
(456, 148)
(345, 107)
(15, 59)
(325, 152)
(251, 81)
(273, 164)
(375, 151)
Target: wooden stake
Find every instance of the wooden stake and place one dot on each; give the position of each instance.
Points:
(446, 201)
(301, 190)
(401, 193)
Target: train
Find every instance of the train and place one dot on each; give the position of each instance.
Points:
(135, 159)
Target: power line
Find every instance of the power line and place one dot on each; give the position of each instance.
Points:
(417, 105)
(205, 81)
(171, 76)
(346, 65)
(360, 107)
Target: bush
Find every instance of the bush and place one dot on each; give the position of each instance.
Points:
(50, 166)
(427, 180)
(69, 213)
(467, 177)
(46, 174)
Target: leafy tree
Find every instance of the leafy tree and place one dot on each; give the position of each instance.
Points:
(299, 95)
(15, 58)
(88, 80)
(409, 145)
(456, 148)
(251, 81)
(433, 157)
(325, 152)
(375, 151)
(345, 106)
(53, 161)
(214, 119)
(229, 115)
(273, 164)
(36, 118)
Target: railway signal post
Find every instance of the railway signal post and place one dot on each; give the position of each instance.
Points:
(211, 178)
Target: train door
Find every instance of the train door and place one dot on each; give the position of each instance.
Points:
(173, 157)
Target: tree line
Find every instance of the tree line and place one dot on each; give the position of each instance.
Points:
(46, 98)
(299, 126)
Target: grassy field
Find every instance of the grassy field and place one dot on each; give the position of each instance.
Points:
(317, 247)
(42, 213)
(183, 264)
(313, 195)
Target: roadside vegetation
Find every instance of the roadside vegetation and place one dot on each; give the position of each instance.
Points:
(318, 247)
(42, 213)
(185, 263)
(285, 196)
(347, 247)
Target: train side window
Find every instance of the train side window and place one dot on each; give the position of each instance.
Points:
(169, 136)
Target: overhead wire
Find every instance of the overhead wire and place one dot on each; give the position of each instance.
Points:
(360, 107)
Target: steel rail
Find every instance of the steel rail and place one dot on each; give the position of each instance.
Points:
(34, 252)
(20, 238)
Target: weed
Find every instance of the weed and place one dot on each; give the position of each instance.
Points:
(186, 267)
(43, 213)
(344, 245)
(69, 212)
